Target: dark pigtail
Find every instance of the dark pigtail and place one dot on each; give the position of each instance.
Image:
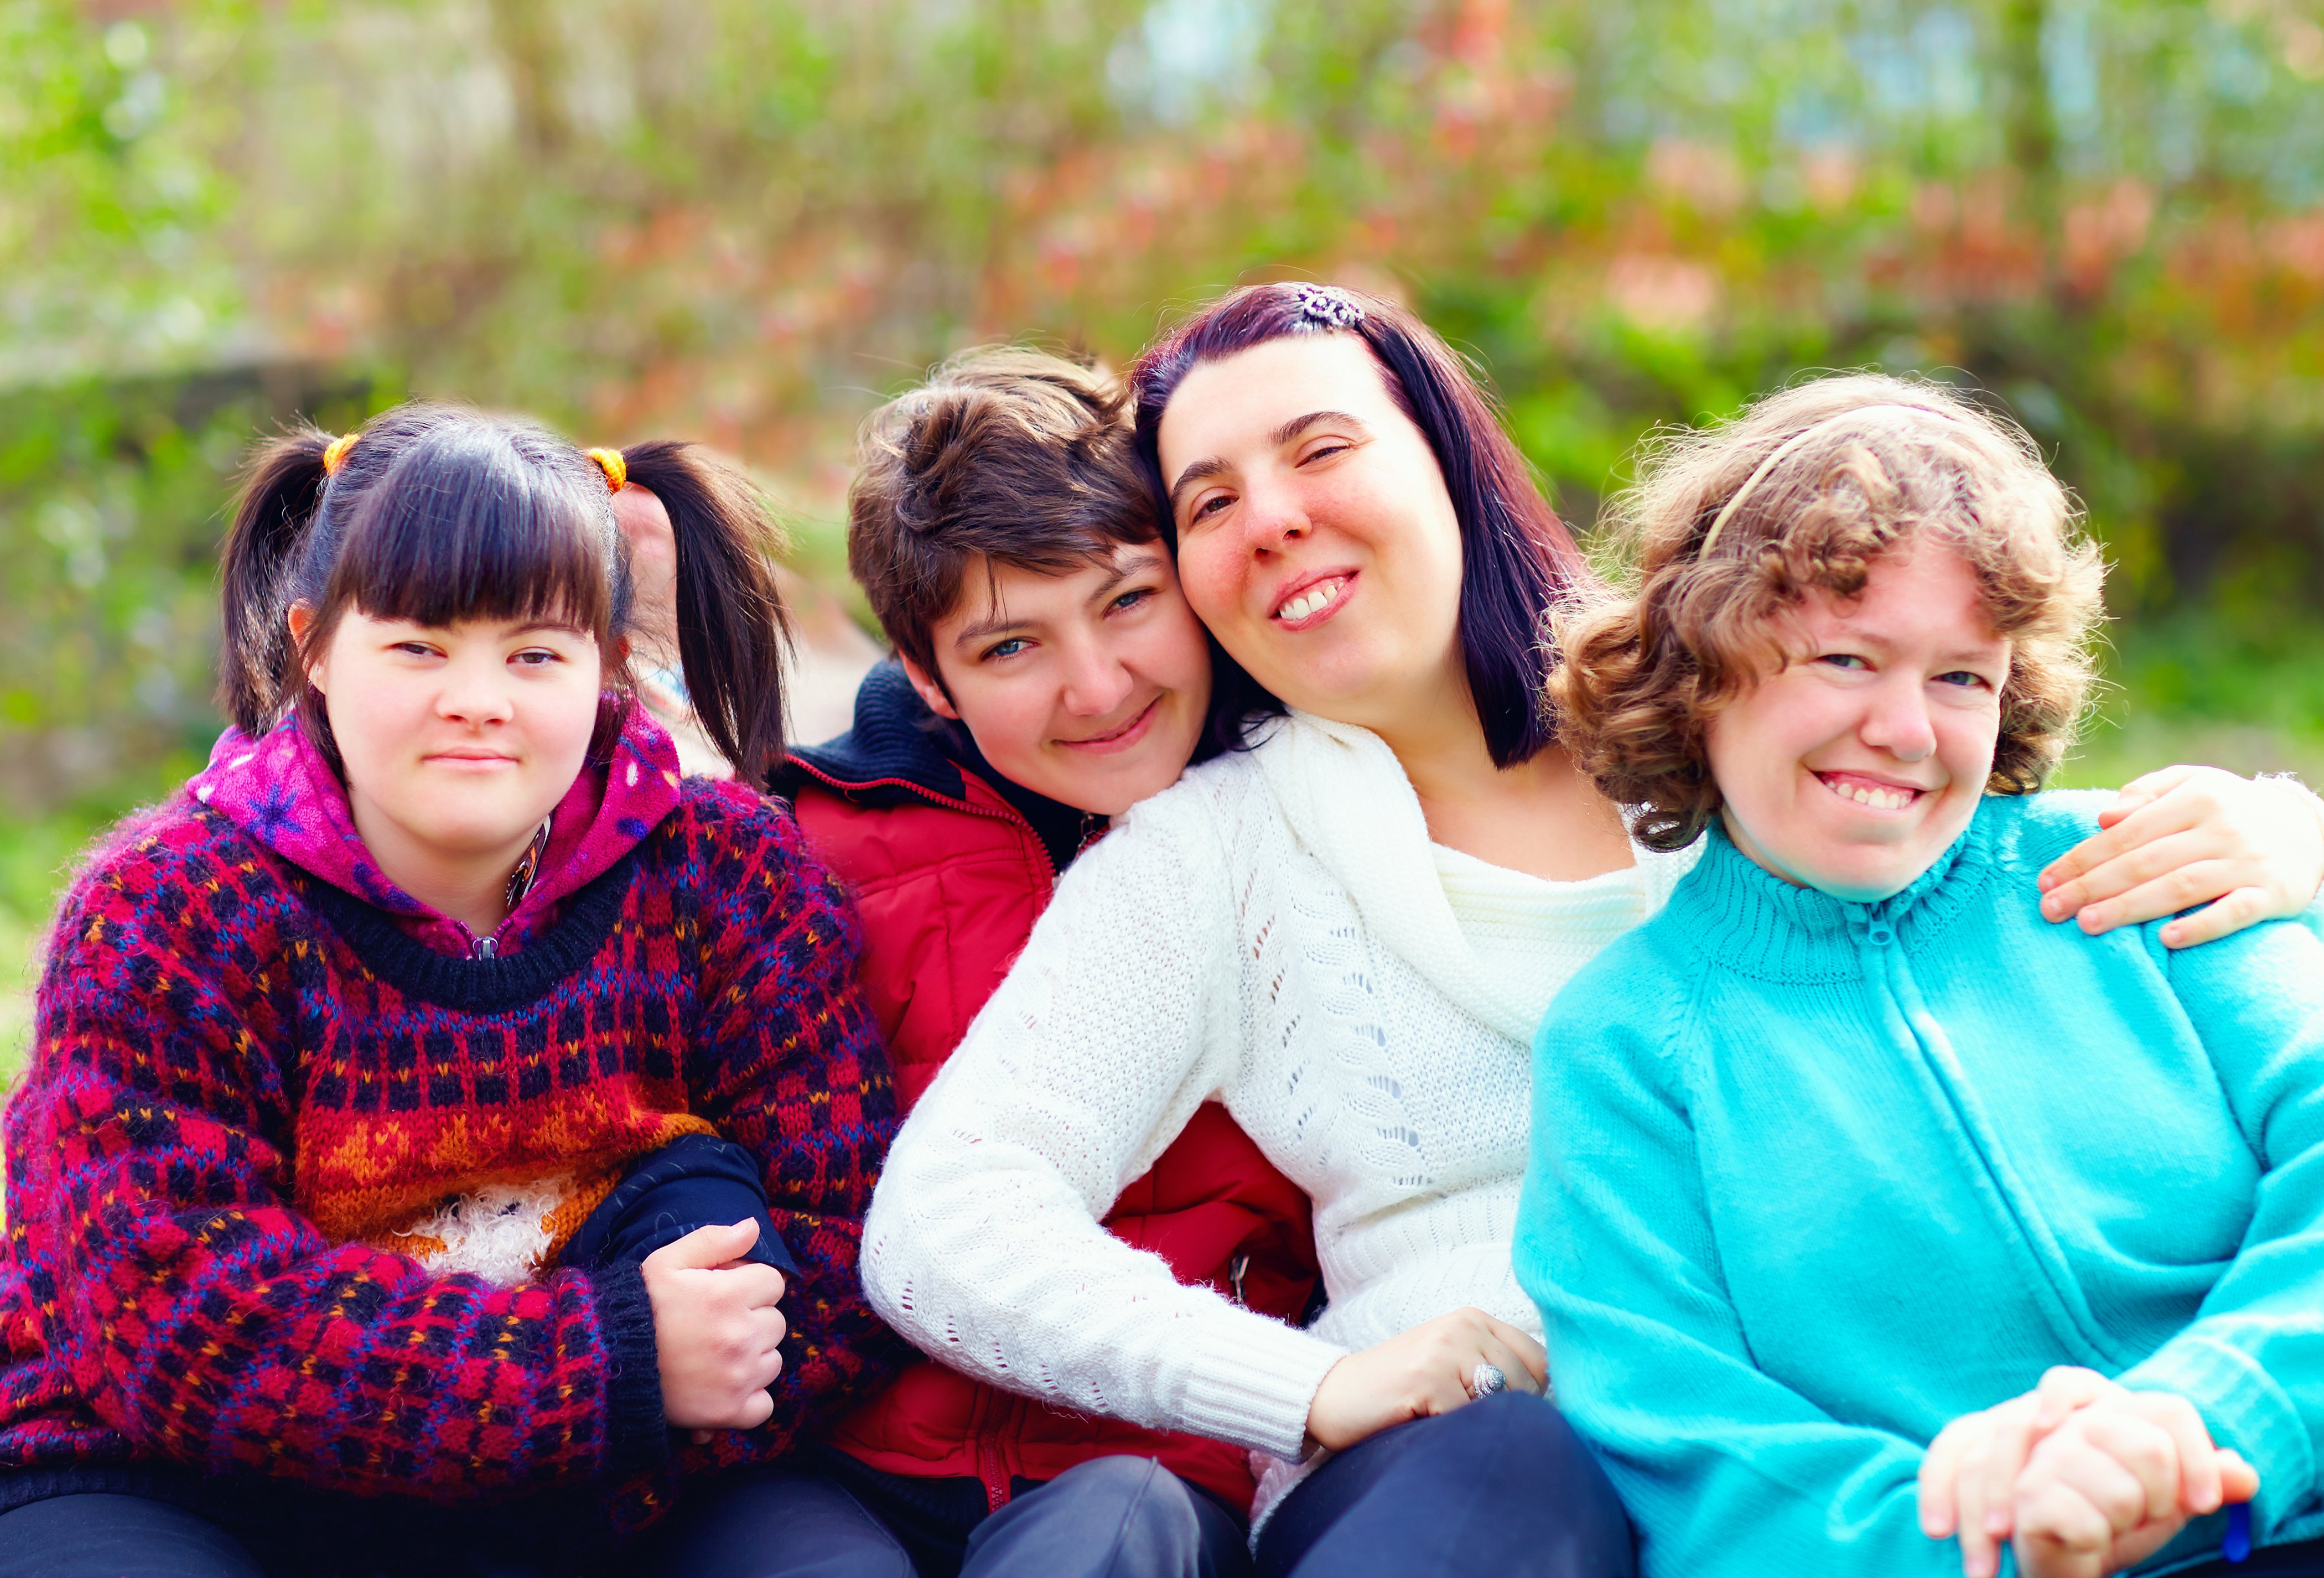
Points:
(732, 629)
(282, 486)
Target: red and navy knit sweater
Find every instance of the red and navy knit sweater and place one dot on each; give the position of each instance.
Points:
(231, 1053)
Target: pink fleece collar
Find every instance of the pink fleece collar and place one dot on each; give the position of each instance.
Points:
(281, 792)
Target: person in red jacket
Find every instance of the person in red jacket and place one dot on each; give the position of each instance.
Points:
(1049, 676)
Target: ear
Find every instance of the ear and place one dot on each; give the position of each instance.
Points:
(930, 691)
(301, 619)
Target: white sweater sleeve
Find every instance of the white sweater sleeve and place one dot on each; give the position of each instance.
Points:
(983, 1244)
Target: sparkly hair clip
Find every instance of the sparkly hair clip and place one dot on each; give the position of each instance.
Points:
(1326, 307)
(336, 453)
(616, 469)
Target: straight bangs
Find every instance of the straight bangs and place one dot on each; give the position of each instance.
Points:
(495, 522)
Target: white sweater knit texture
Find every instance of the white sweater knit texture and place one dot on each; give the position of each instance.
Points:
(1273, 932)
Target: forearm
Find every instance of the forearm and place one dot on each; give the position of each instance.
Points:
(979, 1255)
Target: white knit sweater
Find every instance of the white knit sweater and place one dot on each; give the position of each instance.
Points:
(1272, 932)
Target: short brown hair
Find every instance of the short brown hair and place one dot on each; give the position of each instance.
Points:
(1729, 527)
(1008, 455)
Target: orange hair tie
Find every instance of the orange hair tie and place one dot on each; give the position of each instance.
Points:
(336, 453)
(616, 469)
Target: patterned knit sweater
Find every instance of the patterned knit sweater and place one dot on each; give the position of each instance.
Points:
(249, 1084)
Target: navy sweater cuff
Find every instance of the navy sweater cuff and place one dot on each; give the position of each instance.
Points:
(636, 1437)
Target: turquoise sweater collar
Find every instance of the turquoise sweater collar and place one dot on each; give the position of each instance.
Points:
(1745, 918)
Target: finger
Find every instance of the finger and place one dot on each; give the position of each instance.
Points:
(2128, 1442)
(2013, 1436)
(2238, 1481)
(1512, 1365)
(2059, 1513)
(2244, 907)
(756, 1410)
(749, 1285)
(2198, 1488)
(1532, 1359)
(2181, 888)
(1939, 1465)
(2139, 862)
(2063, 1389)
(702, 1438)
(2154, 816)
(707, 1247)
(1979, 1550)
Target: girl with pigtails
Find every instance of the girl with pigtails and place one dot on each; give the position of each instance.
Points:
(449, 1128)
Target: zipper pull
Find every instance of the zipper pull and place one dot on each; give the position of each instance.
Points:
(486, 947)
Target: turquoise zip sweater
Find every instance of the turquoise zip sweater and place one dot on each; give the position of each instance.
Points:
(1813, 1178)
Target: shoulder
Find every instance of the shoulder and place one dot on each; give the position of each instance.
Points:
(1207, 806)
(736, 845)
(175, 893)
(1636, 993)
(157, 859)
(2033, 830)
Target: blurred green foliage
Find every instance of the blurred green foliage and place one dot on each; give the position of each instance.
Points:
(745, 220)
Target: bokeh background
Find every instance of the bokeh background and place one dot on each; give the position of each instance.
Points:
(748, 220)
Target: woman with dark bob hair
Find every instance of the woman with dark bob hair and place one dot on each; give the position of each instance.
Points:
(1346, 932)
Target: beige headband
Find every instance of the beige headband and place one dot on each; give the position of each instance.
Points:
(1760, 474)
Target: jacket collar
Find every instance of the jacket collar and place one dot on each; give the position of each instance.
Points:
(282, 794)
(898, 752)
(1752, 921)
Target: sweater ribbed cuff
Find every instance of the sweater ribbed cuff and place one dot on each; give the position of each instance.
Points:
(1251, 1382)
(636, 1435)
(2246, 1410)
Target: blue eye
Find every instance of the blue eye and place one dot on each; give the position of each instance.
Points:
(1008, 649)
(1962, 678)
(1131, 599)
(1843, 660)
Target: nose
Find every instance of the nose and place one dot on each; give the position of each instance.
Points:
(1898, 721)
(475, 691)
(1272, 515)
(1096, 682)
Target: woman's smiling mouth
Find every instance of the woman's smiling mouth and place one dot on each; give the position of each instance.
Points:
(1311, 602)
(1872, 793)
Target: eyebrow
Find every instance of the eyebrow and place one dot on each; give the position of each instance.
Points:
(1137, 564)
(1212, 465)
(997, 623)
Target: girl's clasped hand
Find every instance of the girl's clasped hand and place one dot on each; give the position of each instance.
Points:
(2081, 1476)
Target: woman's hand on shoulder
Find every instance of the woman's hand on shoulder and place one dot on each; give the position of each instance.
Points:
(2251, 849)
(1419, 1373)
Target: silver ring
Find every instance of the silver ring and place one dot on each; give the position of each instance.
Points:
(1486, 1380)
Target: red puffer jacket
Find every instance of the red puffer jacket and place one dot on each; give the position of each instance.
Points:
(949, 876)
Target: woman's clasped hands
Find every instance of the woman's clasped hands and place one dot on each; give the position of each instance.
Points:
(2083, 1477)
(718, 1333)
(1428, 1369)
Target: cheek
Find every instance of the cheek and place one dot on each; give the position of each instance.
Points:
(1965, 742)
(1009, 719)
(1207, 577)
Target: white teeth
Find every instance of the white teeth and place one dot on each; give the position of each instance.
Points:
(1309, 602)
(1876, 799)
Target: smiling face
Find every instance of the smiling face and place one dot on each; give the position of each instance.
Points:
(1855, 766)
(457, 740)
(1315, 536)
(1089, 687)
